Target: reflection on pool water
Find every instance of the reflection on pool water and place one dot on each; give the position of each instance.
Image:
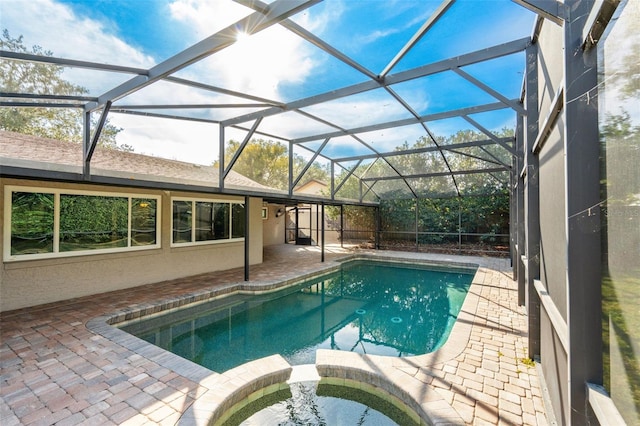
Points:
(367, 307)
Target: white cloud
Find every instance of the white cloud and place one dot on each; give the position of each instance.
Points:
(173, 139)
(207, 17)
(55, 27)
(257, 66)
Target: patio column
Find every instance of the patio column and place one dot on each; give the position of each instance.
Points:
(221, 148)
(531, 188)
(517, 191)
(322, 234)
(378, 226)
(247, 217)
(341, 225)
(416, 226)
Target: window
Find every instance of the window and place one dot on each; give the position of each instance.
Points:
(206, 221)
(32, 221)
(212, 221)
(144, 223)
(53, 223)
(181, 222)
(93, 222)
(238, 220)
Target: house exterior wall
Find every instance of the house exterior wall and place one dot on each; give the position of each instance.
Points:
(273, 227)
(312, 187)
(32, 282)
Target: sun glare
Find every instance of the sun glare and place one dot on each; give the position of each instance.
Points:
(242, 37)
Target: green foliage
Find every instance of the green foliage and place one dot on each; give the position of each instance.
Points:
(620, 323)
(63, 124)
(470, 158)
(528, 362)
(267, 162)
(32, 218)
(87, 221)
(483, 207)
(487, 215)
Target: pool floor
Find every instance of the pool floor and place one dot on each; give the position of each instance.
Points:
(55, 369)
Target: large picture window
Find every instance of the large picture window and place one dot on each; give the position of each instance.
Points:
(206, 221)
(51, 223)
(93, 222)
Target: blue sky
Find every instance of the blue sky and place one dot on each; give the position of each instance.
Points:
(275, 64)
(142, 23)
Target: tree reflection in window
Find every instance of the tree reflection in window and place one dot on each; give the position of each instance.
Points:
(32, 217)
(238, 220)
(93, 222)
(221, 221)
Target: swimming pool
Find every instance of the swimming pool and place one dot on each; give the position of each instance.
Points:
(372, 307)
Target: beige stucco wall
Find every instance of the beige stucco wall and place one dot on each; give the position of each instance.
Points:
(272, 226)
(312, 187)
(34, 282)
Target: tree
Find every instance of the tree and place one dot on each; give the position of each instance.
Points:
(26, 77)
(267, 162)
(483, 207)
(471, 158)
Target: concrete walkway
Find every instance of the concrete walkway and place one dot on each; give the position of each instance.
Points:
(56, 370)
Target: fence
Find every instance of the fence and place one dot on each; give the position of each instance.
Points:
(474, 225)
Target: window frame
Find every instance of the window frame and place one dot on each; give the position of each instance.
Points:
(9, 190)
(194, 242)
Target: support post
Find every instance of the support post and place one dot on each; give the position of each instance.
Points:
(531, 184)
(247, 219)
(322, 233)
(333, 180)
(221, 156)
(342, 225)
(519, 273)
(459, 225)
(416, 226)
(291, 176)
(90, 143)
(582, 209)
(297, 230)
(378, 226)
(86, 143)
(286, 215)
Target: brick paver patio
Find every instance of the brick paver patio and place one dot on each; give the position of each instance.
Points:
(55, 370)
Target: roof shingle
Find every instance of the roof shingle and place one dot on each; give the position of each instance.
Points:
(37, 152)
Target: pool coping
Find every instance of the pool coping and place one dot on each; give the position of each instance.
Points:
(396, 375)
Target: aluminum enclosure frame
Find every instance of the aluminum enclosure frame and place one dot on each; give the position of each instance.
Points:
(577, 326)
(278, 13)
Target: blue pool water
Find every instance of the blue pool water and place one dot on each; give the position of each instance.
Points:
(366, 307)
